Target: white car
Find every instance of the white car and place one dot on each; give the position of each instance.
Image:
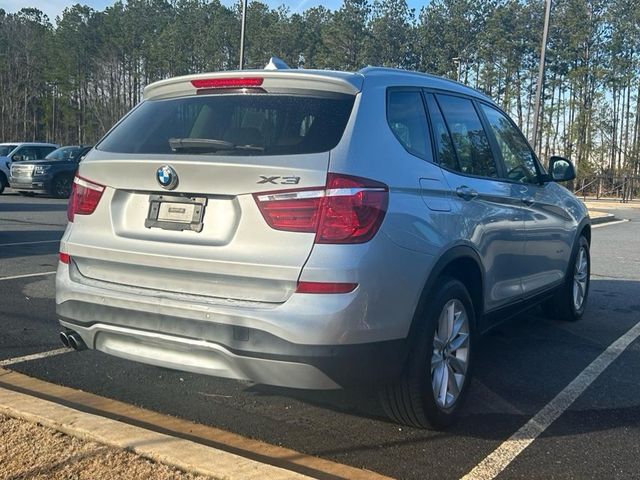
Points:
(17, 152)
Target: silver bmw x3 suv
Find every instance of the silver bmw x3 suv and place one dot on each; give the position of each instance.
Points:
(317, 230)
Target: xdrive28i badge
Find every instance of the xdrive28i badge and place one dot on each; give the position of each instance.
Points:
(167, 177)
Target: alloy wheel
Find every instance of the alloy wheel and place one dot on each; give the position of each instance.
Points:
(450, 354)
(580, 278)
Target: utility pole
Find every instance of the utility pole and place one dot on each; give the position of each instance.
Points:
(543, 51)
(242, 28)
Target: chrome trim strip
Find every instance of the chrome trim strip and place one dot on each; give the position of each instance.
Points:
(85, 183)
(333, 192)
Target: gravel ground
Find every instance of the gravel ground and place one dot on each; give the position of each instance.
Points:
(30, 451)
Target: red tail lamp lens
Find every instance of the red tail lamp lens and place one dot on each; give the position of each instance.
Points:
(85, 196)
(65, 258)
(348, 210)
(293, 211)
(353, 210)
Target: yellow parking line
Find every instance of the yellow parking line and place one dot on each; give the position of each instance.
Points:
(34, 356)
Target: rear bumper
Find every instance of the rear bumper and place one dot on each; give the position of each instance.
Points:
(302, 366)
(228, 341)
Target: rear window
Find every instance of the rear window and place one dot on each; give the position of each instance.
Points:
(255, 124)
(408, 120)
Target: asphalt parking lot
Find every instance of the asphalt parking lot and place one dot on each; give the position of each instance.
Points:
(520, 367)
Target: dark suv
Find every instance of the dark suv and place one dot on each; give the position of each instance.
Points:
(52, 176)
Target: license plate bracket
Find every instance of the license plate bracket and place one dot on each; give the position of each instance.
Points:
(172, 212)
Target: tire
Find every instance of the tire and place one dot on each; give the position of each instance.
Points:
(61, 186)
(566, 304)
(412, 400)
(3, 183)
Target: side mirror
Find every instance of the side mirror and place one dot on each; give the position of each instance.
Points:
(561, 169)
(17, 158)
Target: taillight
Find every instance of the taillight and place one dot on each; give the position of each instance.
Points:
(353, 210)
(64, 258)
(348, 210)
(293, 211)
(84, 198)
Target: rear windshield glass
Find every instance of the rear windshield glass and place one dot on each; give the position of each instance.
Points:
(255, 124)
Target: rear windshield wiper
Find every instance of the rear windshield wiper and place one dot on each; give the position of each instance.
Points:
(199, 144)
(204, 145)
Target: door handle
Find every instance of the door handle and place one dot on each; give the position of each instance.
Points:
(466, 192)
(528, 200)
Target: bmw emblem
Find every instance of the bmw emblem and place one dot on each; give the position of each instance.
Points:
(167, 177)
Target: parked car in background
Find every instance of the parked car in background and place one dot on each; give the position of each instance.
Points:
(318, 229)
(20, 151)
(51, 176)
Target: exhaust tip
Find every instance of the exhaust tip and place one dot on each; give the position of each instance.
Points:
(76, 342)
(64, 338)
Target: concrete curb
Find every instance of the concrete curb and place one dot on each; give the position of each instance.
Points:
(609, 217)
(176, 452)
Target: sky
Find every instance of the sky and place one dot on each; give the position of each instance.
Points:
(53, 8)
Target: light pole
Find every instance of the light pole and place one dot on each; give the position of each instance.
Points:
(242, 28)
(457, 61)
(543, 51)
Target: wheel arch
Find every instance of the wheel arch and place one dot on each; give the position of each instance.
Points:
(583, 230)
(463, 263)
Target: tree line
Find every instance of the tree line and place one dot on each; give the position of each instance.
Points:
(68, 81)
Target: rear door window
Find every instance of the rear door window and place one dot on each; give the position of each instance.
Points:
(408, 121)
(469, 138)
(445, 152)
(227, 124)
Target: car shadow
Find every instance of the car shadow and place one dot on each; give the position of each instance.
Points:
(520, 366)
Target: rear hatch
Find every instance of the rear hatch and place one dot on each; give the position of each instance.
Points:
(182, 174)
